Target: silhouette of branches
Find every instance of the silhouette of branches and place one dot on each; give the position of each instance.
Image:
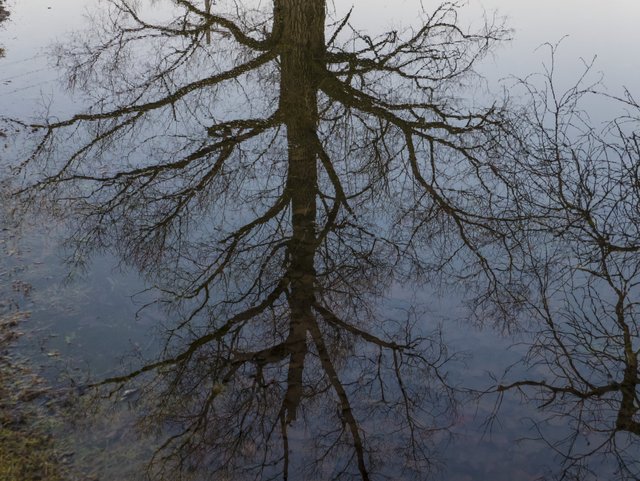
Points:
(582, 264)
(274, 182)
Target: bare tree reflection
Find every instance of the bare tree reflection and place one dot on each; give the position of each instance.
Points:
(198, 130)
(583, 267)
(306, 382)
(278, 183)
(369, 392)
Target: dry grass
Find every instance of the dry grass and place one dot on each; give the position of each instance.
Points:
(26, 449)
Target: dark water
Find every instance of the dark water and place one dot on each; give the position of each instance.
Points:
(255, 320)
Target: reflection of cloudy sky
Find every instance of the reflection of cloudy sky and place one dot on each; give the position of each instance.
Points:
(593, 28)
(607, 29)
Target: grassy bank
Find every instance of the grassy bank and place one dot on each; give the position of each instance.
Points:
(27, 452)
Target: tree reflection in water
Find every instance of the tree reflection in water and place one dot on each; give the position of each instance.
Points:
(279, 181)
(307, 381)
(581, 258)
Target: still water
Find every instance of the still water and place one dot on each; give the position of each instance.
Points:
(259, 321)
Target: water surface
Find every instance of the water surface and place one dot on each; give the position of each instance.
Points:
(338, 359)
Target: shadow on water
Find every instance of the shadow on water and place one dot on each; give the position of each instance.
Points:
(276, 183)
